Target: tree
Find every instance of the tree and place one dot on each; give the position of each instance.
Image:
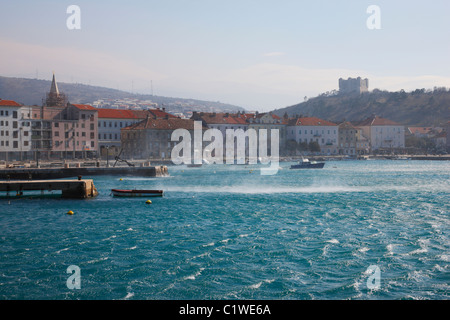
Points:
(291, 147)
(314, 146)
(302, 146)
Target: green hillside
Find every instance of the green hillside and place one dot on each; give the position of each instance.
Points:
(420, 107)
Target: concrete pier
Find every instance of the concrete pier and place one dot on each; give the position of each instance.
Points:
(79, 189)
(58, 173)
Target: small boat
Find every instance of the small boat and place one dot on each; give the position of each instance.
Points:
(137, 193)
(306, 164)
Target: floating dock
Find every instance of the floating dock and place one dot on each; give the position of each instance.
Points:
(77, 189)
(59, 173)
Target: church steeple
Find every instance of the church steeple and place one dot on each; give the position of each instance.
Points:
(54, 97)
(54, 87)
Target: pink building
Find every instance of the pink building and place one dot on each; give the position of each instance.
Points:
(75, 131)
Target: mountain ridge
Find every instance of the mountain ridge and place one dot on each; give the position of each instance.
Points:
(32, 92)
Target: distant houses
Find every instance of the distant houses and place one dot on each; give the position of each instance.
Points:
(59, 130)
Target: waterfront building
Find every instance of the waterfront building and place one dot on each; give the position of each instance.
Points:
(348, 138)
(224, 121)
(15, 131)
(74, 132)
(312, 129)
(151, 137)
(362, 143)
(268, 121)
(383, 134)
(111, 121)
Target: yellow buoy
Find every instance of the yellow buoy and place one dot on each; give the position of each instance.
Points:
(148, 202)
(120, 179)
(70, 212)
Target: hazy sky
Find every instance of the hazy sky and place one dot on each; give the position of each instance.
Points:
(260, 55)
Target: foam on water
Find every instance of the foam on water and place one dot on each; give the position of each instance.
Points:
(226, 232)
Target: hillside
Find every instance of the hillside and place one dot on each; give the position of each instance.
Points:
(33, 91)
(420, 107)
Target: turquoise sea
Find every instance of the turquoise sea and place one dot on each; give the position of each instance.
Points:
(227, 232)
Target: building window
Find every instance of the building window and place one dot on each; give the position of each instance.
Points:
(92, 144)
(83, 134)
(56, 134)
(15, 144)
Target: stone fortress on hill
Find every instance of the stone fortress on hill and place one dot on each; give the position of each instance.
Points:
(353, 85)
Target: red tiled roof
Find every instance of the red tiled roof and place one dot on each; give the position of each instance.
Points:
(132, 114)
(220, 118)
(160, 113)
(162, 124)
(118, 114)
(9, 103)
(274, 116)
(377, 121)
(421, 130)
(346, 125)
(84, 107)
(313, 121)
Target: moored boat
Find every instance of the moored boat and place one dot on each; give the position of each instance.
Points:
(137, 193)
(306, 164)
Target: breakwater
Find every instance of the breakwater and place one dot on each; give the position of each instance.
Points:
(58, 173)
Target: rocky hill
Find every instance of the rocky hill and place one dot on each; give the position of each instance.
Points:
(420, 107)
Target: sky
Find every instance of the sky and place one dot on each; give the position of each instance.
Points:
(260, 55)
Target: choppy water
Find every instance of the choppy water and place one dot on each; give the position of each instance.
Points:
(226, 232)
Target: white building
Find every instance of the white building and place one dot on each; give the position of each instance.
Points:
(15, 131)
(383, 133)
(309, 129)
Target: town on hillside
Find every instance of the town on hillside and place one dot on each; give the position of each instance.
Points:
(60, 130)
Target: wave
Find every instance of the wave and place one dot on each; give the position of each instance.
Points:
(244, 189)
